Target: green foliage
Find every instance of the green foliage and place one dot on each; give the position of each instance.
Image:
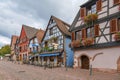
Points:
(5, 50)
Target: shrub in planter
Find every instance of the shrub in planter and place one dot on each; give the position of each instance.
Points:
(88, 41)
(117, 36)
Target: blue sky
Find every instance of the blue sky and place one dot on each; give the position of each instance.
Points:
(35, 13)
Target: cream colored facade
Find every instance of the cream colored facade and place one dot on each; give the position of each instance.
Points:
(104, 59)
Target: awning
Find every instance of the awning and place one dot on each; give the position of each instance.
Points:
(49, 54)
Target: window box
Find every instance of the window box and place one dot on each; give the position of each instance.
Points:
(75, 43)
(88, 41)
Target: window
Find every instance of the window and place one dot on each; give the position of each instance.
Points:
(37, 48)
(30, 50)
(90, 32)
(46, 44)
(92, 9)
(78, 35)
(51, 31)
(20, 49)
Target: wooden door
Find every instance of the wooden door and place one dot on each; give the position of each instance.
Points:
(84, 62)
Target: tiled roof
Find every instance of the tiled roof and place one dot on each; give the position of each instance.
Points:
(39, 35)
(63, 26)
(30, 31)
(13, 39)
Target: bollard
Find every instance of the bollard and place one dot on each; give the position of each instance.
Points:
(90, 70)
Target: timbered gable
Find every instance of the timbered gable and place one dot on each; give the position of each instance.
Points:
(55, 33)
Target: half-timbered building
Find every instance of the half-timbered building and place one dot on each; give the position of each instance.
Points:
(34, 46)
(96, 34)
(13, 47)
(55, 43)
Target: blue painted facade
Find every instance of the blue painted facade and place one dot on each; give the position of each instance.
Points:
(34, 44)
(69, 52)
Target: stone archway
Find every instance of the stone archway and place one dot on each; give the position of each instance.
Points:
(85, 62)
(118, 64)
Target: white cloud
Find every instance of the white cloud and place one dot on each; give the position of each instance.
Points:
(14, 13)
(4, 40)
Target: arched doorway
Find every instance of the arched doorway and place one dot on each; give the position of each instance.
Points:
(84, 62)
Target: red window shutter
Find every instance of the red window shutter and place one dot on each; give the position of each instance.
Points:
(116, 1)
(82, 12)
(99, 5)
(83, 33)
(73, 36)
(113, 25)
(96, 30)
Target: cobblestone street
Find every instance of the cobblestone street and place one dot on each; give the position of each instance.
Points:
(12, 71)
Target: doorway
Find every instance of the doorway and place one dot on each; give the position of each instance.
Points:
(84, 62)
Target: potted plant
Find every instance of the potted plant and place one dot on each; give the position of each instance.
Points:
(54, 39)
(88, 41)
(117, 36)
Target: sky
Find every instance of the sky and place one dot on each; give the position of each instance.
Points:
(34, 13)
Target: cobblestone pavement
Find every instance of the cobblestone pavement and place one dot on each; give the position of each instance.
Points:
(12, 71)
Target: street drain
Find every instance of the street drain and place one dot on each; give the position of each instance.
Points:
(21, 71)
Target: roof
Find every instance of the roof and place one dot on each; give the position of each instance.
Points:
(13, 39)
(63, 26)
(89, 2)
(30, 31)
(39, 35)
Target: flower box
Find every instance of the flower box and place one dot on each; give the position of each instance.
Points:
(75, 43)
(88, 41)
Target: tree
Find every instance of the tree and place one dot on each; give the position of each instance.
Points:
(5, 50)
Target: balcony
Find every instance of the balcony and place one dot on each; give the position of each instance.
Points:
(50, 50)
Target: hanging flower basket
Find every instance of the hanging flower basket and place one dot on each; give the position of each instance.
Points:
(90, 18)
(88, 41)
(117, 36)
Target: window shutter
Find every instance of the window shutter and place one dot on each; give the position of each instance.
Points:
(113, 25)
(73, 36)
(83, 33)
(119, 25)
(82, 12)
(96, 30)
(99, 5)
(116, 1)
